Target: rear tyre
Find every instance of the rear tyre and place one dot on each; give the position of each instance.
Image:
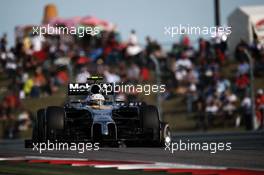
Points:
(165, 134)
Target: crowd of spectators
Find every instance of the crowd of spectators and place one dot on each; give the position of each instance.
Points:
(37, 66)
(210, 91)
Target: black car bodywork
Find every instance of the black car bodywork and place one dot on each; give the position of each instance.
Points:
(114, 122)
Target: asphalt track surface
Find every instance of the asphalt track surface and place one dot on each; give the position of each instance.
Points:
(247, 151)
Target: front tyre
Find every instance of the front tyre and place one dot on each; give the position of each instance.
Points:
(55, 117)
(151, 123)
(39, 131)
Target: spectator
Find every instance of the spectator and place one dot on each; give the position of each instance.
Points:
(243, 68)
(192, 96)
(242, 84)
(3, 42)
(222, 85)
(260, 107)
(37, 42)
(180, 67)
(83, 75)
(133, 47)
(145, 74)
(239, 51)
(211, 109)
(24, 120)
(39, 83)
(62, 77)
(246, 111)
(133, 38)
(111, 76)
(133, 72)
(229, 106)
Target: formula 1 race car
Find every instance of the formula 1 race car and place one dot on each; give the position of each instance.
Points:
(99, 118)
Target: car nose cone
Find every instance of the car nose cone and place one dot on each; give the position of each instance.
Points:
(104, 129)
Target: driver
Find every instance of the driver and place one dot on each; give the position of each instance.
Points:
(97, 99)
(98, 102)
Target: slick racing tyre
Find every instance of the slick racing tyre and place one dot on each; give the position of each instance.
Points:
(39, 134)
(55, 117)
(165, 134)
(150, 119)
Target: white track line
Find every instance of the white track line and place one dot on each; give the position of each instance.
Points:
(53, 158)
(158, 165)
(12, 158)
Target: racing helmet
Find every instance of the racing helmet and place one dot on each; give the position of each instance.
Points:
(98, 99)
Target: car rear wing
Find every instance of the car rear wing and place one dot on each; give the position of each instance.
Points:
(94, 85)
(90, 88)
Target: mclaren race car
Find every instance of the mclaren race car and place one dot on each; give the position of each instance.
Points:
(100, 118)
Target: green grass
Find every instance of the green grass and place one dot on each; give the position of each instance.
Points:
(57, 99)
(23, 168)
